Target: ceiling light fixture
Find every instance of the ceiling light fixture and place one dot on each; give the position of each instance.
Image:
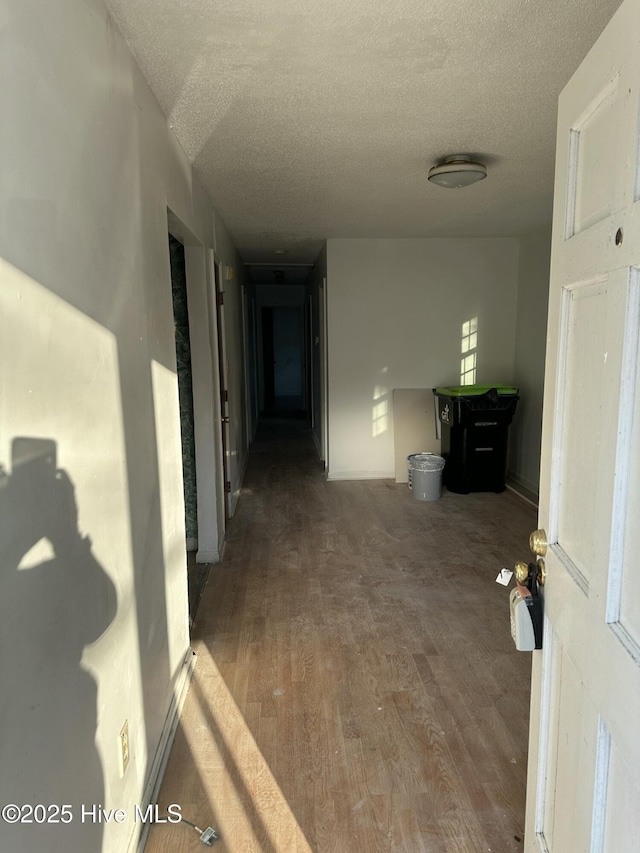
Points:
(457, 171)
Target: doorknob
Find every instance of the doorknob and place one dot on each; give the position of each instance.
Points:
(521, 572)
(538, 542)
(524, 572)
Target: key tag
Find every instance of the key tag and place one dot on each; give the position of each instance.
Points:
(504, 577)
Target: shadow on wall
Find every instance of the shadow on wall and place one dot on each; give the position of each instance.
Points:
(56, 599)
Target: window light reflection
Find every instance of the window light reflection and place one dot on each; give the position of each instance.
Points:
(468, 348)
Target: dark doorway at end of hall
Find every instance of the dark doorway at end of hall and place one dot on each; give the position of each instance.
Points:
(285, 364)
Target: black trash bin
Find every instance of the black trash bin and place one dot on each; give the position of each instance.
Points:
(475, 423)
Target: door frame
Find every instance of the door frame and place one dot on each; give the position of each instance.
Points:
(201, 333)
(223, 393)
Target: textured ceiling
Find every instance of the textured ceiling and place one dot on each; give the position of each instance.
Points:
(307, 120)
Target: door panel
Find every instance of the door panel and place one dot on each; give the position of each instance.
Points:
(580, 424)
(623, 599)
(573, 790)
(589, 180)
(590, 355)
(586, 682)
(622, 828)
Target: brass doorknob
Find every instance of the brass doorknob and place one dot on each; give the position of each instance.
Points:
(538, 542)
(521, 572)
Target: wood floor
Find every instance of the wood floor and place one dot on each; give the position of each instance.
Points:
(356, 687)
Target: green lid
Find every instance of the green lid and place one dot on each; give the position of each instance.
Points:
(473, 390)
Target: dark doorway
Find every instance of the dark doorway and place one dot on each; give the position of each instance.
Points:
(283, 340)
(268, 360)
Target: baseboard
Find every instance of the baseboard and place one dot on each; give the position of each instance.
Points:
(192, 544)
(204, 556)
(222, 546)
(243, 469)
(523, 492)
(235, 494)
(139, 838)
(361, 475)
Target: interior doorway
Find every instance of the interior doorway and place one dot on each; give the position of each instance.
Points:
(196, 572)
(185, 388)
(283, 351)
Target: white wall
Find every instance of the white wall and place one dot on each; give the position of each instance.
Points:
(395, 315)
(531, 330)
(93, 630)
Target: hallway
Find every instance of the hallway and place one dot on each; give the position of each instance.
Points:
(356, 686)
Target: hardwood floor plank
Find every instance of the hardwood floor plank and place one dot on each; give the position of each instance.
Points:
(356, 687)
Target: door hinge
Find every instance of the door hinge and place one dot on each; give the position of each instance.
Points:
(226, 396)
(227, 487)
(220, 298)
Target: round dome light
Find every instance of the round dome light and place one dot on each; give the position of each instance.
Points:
(457, 171)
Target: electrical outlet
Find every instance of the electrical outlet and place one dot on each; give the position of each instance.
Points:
(123, 743)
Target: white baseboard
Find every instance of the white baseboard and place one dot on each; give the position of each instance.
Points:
(235, 493)
(139, 838)
(222, 545)
(361, 475)
(523, 493)
(204, 556)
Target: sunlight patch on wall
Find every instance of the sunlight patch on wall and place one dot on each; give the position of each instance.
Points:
(380, 416)
(40, 553)
(64, 385)
(469, 350)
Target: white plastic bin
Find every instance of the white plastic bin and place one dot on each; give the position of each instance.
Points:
(426, 476)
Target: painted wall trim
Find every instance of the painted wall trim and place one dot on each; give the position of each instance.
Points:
(361, 475)
(138, 840)
(214, 556)
(235, 494)
(203, 375)
(208, 557)
(531, 497)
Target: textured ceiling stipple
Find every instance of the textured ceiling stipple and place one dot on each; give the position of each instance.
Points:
(309, 120)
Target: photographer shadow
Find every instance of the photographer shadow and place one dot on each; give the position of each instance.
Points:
(55, 600)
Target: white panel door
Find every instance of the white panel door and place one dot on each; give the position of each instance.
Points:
(584, 759)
